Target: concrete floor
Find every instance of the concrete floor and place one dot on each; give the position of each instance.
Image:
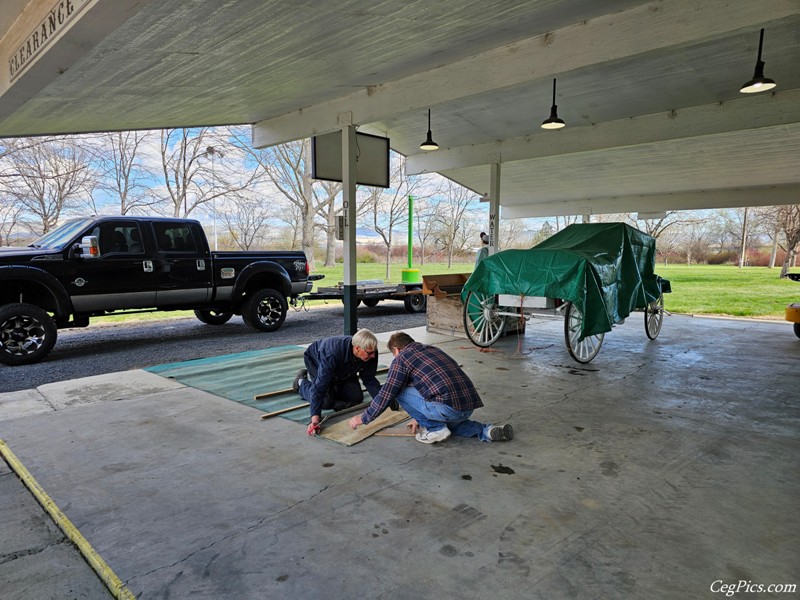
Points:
(652, 472)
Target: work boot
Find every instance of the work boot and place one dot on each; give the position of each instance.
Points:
(501, 434)
(301, 374)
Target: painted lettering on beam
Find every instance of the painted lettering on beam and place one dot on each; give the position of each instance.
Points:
(56, 20)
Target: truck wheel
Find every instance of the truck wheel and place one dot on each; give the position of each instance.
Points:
(27, 334)
(415, 303)
(265, 310)
(213, 317)
(797, 329)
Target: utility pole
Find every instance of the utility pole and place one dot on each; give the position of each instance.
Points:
(744, 240)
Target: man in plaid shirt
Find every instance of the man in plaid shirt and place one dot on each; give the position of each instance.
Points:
(435, 391)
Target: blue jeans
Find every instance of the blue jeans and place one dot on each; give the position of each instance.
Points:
(434, 416)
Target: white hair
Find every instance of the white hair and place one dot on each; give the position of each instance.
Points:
(364, 338)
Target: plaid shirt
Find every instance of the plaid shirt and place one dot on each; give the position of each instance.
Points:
(435, 375)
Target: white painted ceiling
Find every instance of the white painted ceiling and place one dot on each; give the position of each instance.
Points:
(649, 90)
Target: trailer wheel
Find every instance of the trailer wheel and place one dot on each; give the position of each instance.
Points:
(797, 329)
(265, 310)
(27, 334)
(370, 302)
(482, 324)
(213, 317)
(415, 303)
(582, 350)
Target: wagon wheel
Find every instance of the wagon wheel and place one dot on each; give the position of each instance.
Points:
(481, 321)
(581, 350)
(654, 317)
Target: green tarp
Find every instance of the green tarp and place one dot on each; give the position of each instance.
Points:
(605, 269)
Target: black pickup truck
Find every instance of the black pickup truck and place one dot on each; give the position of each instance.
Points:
(94, 266)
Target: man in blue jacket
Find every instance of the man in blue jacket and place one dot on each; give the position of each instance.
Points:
(333, 367)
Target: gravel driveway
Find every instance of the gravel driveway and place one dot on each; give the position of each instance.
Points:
(107, 348)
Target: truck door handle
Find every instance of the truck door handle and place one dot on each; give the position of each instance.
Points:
(147, 266)
(201, 265)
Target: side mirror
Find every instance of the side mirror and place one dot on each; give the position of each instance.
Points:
(89, 247)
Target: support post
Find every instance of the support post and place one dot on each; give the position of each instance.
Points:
(349, 213)
(494, 209)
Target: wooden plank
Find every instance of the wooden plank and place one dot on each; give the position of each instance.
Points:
(275, 413)
(342, 433)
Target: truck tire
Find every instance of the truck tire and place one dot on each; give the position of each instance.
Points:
(265, 310)
(27, 334)
(415, 303)
(213, 317)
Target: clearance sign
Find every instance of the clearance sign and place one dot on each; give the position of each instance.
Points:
(54, 23)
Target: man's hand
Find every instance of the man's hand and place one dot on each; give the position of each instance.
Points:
(356, 421)
(314, 427)
(413, 425)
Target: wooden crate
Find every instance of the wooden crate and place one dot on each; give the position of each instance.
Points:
(446, 316)
(446, 284)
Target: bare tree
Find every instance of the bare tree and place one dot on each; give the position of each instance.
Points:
(200, 166)
(692, 239)
(565, 220)
(454, 208)
(655, 227)
(10, 215)
(514, 234)
(329, 210)
(389, 207)
(424, 223)
(46, 178)
(124, 173)
(246, 219)
(786, 219)
(288, 166)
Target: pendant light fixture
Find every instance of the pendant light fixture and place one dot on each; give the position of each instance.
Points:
(553, 122)
(758, 83)
(429, 144)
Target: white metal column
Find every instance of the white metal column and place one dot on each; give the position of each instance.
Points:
(349, 213)
(494, 209)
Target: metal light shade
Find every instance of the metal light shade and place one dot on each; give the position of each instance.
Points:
(553, 122)
(429, 144)
(758, 83)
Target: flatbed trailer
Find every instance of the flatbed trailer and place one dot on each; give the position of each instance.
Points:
(371, 292)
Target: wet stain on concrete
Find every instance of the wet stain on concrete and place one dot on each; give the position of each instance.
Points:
(326, 465)
(382, 527)
(448, 550)
(466, 477)
(281, 578)
(579, 428)
(610, 468)
(503, 469)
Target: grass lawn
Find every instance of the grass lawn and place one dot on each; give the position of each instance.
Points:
(728, 290)
(754, 292)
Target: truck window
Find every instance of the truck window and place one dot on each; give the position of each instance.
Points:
(175, 238)
(118, 237)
